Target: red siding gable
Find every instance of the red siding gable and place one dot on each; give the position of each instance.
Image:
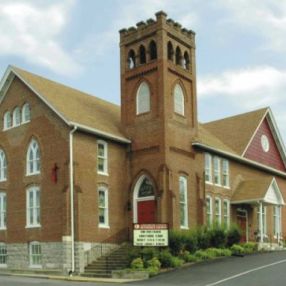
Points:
(255, 152)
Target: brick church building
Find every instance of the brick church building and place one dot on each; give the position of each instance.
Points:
(76, 171)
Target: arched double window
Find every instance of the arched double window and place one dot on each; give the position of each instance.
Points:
(179, 100)
(16, 117)
(3, 166)
(143, 98)
(33, 158)
(7, 120)
(26, 113)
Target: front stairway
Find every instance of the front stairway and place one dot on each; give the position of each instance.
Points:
(103, 266)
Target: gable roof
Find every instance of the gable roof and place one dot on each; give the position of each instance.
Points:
(226, 129)
(73, 106)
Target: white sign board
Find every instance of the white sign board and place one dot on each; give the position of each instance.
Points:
(155, 234)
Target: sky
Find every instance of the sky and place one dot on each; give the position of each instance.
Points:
(240, 47)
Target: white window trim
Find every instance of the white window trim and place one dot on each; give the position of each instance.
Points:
(23, 120)
(6, 114)
(210, 213)
(106, 208)
(208, 157)
(138, 111)
(28, 171)
(185, 181)
(14, 123)
(227, 186)
(2, 265)
(218, 215)
(105, 158)
(3, 212)
(218, 171)
(31, 265)
(182, 100)
(3, 166)
(33, 224)
(226, 217)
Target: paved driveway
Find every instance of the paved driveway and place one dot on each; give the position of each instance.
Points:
(254, 270)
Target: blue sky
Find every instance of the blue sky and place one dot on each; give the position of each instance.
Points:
(241, 47)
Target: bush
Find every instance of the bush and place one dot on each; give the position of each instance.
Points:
(250, 247)
(226, 252)
(217, 237)
(202, 254)
(148, 253)
(176, 262)
(165, 258)
(176, 241)
(191, 258)
(237, 249)
(203, 238)
(214, 252)
(133, 253)
(137, 264)
(153, 271)
(154, 262)
(191, 241)
(233, 235)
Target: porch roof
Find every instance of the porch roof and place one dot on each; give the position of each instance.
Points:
(264, 190)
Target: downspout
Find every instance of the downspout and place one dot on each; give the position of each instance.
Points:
(72, 198)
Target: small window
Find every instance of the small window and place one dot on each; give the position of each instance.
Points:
(16, 117)
(33, 207)
(153, 50)
(208, 168)
(3, 254)
(209, 209)
(178, 56)
(143, 98)
(277, 221)
(183, 202)
(33, 158)
(3, 209)
(131, 59)
(179, 100)
(102, 163)
(3, 166)
(142, 55)
(217, 178)
(170, 51)
(7, 120)
(103, 207)
(186, 61)
(218, 211)
(225, 173)
(35, 254)
(226, 213)
(26, 113)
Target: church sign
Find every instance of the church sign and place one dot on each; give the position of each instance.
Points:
(155, 234)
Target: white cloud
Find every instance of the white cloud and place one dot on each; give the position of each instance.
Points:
(31, 30)
(266, 18)
(249, 88)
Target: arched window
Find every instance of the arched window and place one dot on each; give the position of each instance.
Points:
(16, 116)
(131, 59)
(143, 98)
(142, 55)
(3, 166)
(179, 100)
(186, 61)
(26, 113)
(7, 120)
(170, 51)
(153, 50)
(178, 56)
(33, 158)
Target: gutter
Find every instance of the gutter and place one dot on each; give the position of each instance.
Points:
(240, 159)
(71, 175)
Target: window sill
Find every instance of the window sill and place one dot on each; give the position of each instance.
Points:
(209, 183)
(33, 226)
(3, 228)
(104, 226)
(218, 185)
(32, 174)
(184, 227)
(3, 265)
(226, 187)
(103, 173)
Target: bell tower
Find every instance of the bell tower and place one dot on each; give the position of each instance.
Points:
(158, 101)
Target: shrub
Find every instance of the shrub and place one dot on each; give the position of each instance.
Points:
(202, 254)
(191, 258)
(176, 262)
(203, 238)
(233, 235)
(217, 237)
(154, 262)
(137, 264)
(133, 253)
(237, 249)
(165, 258)
(148, 253)
(184, 255)
(176, 241)
(225, 252)
(214, 252)
(152, 271)
(250, 247)
(191, 241)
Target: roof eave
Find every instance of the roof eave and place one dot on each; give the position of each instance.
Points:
(239, 159)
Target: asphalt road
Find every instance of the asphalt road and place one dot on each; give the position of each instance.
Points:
(254, 270)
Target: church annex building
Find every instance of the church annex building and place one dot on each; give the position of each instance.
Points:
(77, 171)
